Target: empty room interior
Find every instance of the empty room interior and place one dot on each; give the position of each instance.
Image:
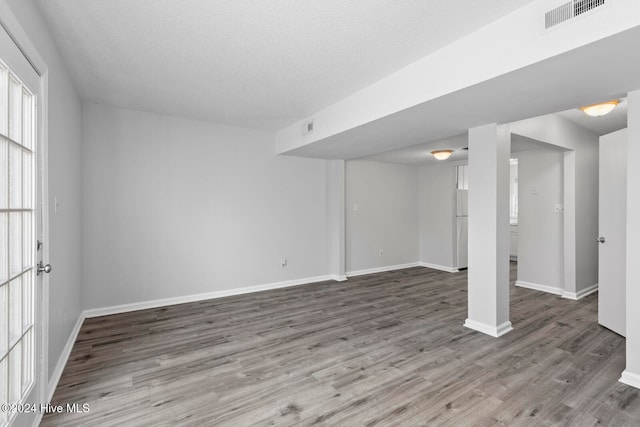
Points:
(236, 212)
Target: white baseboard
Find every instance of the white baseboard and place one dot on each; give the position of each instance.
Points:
(64, 357)
(538, 287)
(494, 331)
(337, 277)
(382, 269)
(439, 267)
(143, 305)
(630, 378)
(62, 362)
(580, 294)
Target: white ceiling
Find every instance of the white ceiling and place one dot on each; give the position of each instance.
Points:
(615, 120)
(555, 84)
(259, 64)
(421, 153)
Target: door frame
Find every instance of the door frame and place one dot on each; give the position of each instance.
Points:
(15, 30)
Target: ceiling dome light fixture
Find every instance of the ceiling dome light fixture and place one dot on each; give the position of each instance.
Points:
(597, 110)
(442, 154)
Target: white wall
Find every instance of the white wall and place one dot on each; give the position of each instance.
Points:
(64, 139)
(587, 213)
(582, 173)
(175, 207)
(437, 215)
(631, 374)
(386, 196)
(540, 229)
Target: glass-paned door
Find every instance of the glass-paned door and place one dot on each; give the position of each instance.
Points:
(17, 235)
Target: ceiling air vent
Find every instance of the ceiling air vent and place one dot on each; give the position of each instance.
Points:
(569, 10)
(583, 6)
(307, 127)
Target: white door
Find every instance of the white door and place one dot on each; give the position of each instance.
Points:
(21, 332)
(612, 229)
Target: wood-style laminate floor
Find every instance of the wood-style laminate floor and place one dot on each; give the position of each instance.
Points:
(377, 350)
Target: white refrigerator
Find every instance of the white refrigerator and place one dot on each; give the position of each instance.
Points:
(462, 222)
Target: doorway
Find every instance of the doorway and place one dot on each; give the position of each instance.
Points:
(21, 303)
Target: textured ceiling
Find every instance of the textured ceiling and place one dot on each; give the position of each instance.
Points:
(421, 153)
(259, 64)
(557, 83)
(615, 120)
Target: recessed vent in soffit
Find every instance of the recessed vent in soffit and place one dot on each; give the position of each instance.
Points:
(569, 11)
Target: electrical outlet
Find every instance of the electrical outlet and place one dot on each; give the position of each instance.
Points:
(380, 252)
(283, 263)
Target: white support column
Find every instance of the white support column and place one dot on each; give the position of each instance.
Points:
(569, 225)
(631, 374)
(336, 219)
(489, 150)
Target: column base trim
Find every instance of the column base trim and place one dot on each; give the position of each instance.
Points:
(630, 378)
(494, 331)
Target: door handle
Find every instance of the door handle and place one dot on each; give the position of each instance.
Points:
(44, 268)
(600, 240)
